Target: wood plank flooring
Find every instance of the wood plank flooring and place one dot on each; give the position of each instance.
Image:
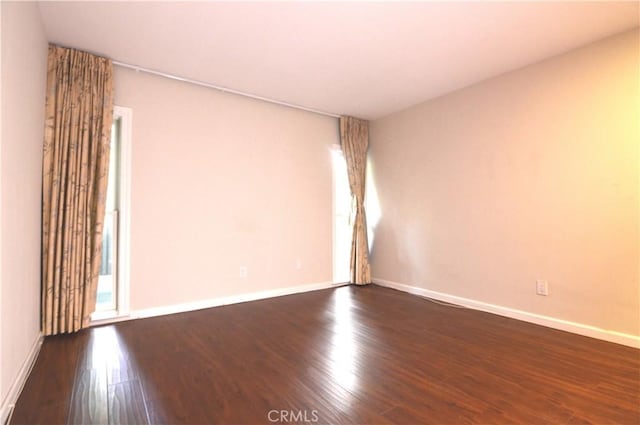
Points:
(351, 355)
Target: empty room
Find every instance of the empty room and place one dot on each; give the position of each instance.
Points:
(320, 212)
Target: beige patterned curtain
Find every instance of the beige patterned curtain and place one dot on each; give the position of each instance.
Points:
(354, 137)
(79, 113)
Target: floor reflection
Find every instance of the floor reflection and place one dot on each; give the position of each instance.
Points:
(111, 370)
(105, 349)
(344, 350)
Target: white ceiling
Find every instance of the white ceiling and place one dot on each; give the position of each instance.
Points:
(361, 59)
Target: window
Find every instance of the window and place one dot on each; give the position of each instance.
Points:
(107, 282)
(112, 299)
(342, 213)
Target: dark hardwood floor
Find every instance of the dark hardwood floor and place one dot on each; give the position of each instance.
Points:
(352, 355)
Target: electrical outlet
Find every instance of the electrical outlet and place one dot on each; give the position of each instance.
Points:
(542, 287)
(244, 271)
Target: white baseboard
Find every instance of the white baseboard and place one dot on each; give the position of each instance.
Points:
(232, 299)
(551, 322)
(10, 400)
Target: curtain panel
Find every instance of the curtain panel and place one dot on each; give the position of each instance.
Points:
(79, 114)
(354, 138)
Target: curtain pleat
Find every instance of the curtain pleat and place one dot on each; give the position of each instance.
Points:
(79, 114)
(354, 138)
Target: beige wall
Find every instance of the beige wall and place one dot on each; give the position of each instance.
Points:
(24, 67)
(221, 181)
(530, 175)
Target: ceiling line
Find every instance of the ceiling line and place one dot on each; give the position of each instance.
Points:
(222, 89)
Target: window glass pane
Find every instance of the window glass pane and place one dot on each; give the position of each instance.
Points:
(106, 294)
(343, 205)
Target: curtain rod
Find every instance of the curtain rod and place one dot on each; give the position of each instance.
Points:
(219, 88)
